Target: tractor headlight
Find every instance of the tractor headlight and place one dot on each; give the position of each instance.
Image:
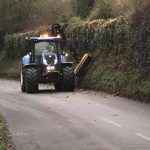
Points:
(50, 68)
(67, 55)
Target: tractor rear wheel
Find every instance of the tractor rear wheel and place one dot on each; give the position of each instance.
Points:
(68, 81)
(31, 80)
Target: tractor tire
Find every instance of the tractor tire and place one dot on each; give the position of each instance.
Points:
(58, 85)
(31, 80)
(22, 81)
(68, 81)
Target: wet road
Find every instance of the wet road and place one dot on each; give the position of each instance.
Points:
(82, 120)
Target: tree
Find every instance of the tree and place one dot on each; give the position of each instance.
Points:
(82, 8)
(103, 9)
(47, 12)
(14, 14)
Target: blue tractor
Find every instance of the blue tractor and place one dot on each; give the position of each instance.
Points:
(46, 62)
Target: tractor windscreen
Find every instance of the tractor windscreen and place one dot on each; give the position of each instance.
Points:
(45, 47)
(46, 52)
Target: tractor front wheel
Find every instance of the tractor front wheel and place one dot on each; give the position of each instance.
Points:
(58, 85)
(68, 81)
(31, 80)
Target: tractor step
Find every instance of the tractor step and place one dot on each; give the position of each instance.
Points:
(80, 69)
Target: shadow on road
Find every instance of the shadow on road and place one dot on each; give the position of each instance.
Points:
(43, 91)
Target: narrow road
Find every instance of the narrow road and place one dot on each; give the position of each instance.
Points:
(82, 120)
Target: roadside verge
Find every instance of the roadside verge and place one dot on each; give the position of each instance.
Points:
(5, 138)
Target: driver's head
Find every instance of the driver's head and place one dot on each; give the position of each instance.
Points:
(49, 48)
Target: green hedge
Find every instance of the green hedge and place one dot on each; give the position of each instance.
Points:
(119, 50)
(115, 35)
(141, 40)
(15, 44)
(102, 34)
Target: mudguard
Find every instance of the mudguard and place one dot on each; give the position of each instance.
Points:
(31, 65)
(63, 59)
(26, 59)
(67, 64)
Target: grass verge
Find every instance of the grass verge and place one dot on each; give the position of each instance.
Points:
(3, 134)
(10, 69)
(116, 75)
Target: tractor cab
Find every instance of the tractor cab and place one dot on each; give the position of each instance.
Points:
(42, 49)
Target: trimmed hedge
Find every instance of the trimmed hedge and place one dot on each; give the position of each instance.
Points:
(141, 40)
(105, 35)
(15, 44)
(118, 51)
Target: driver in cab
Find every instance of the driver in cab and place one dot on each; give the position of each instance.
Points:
(49, 57)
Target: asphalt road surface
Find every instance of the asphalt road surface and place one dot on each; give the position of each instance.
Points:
(82, 120)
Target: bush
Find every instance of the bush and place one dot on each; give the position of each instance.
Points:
(103, 10)
(118, 50)
(75, 19)
(81, 8)
(3, 136)
(141, 35)
(15, 44)
(100, 34)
